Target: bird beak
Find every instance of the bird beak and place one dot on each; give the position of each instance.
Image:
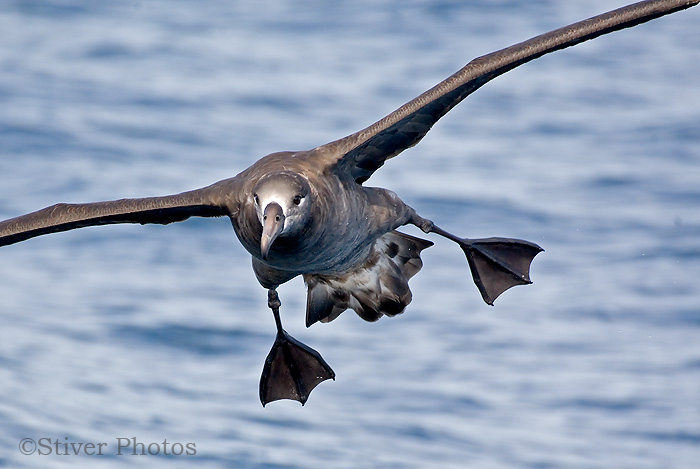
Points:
(273, 223)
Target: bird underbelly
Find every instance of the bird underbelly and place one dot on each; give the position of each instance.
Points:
(325, 256)
(317, 259)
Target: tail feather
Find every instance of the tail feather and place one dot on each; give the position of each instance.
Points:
(377, 288)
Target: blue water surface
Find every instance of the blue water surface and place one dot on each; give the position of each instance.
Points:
(142, 334)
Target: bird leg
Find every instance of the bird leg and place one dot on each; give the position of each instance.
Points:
(497, 264)
(292, 369)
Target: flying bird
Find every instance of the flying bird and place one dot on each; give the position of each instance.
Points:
(309, 213)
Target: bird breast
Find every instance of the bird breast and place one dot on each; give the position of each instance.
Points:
(339, 234)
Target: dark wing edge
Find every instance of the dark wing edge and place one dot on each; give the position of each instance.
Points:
(365, 151)
(159, 210)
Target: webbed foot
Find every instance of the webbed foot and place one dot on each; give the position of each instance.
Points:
(292, 369)
(498, 264)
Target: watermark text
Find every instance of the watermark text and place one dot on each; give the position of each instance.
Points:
(120, 446)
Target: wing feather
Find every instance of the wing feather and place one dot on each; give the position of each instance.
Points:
(363, 152)
(204, 202)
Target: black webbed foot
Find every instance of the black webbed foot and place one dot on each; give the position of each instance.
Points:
(292, 369)
(498, 264)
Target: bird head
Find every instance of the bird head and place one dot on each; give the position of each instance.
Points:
(282, 204)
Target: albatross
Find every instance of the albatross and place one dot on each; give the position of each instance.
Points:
(309, 213)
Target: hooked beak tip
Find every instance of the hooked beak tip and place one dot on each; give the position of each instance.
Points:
(265, 243)
(273, 224)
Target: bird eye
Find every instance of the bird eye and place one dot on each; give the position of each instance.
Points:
(256, 199)
(297, 199)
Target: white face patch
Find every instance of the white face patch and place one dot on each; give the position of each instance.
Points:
(275, 197)
(288, 206)
(289, 192)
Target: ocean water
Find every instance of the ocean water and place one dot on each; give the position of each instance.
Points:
(138, 335)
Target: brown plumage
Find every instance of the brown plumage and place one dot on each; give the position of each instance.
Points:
(308, 212)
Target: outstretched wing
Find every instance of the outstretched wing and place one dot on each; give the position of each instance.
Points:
(205, 202)
(362, 153)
